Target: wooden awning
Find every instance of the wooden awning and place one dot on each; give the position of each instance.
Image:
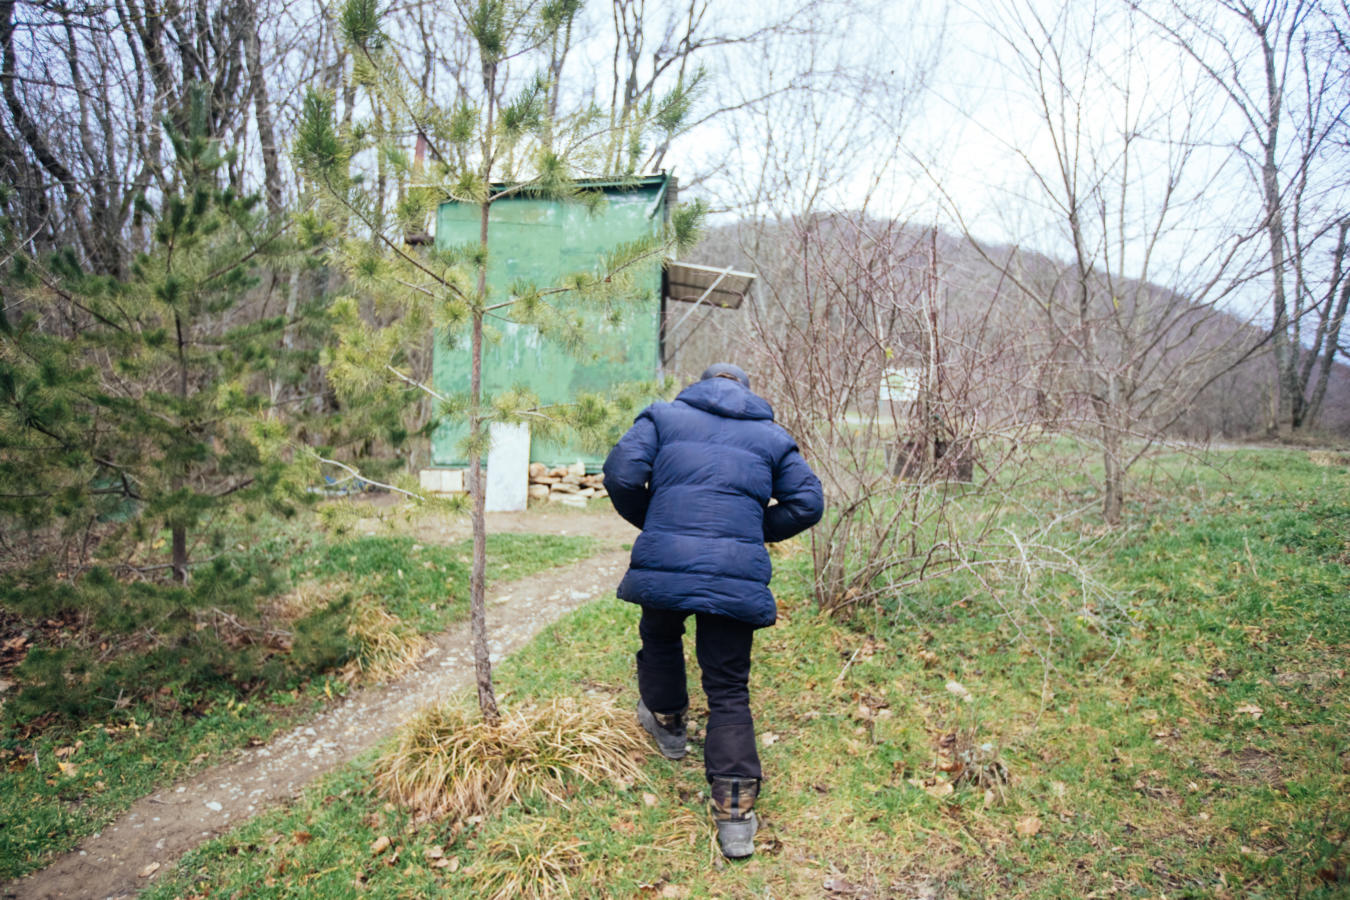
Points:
(691, 283)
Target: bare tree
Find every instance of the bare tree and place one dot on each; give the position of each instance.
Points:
(86, 89)
(1284, 71)
(1113, 151)
(655, 44)
(906, 389)
(912, 405)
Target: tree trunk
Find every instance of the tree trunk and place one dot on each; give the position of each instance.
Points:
(262, 112)
(1335, 321)
(482, 661)
(179, 561)
(180, 555)
(1285, 353)
(1113, 478)
(1106, 407)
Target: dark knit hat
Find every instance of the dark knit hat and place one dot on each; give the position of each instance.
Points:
(725, 370)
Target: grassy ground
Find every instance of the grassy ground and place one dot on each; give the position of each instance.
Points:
(65, 777)
(1186, 736)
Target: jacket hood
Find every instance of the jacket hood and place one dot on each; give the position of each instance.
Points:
(726, 398)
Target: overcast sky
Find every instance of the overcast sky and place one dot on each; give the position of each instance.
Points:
(932, 111)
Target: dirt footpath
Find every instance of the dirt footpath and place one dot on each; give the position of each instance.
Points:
(380, 514)
(160, 828)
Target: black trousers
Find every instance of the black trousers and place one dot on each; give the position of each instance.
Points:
(723, 649)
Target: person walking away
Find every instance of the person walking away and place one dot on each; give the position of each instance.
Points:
(708, 478)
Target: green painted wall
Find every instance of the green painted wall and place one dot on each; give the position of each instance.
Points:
(541, 241)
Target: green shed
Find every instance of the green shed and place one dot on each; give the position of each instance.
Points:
(539, 241)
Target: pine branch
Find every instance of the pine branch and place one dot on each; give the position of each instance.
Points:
(234, 488)
(417, 384)
(243, 260)
(357, 473)
(393, 247)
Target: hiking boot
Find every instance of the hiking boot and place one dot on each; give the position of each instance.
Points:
(733, 811)
(667, 729)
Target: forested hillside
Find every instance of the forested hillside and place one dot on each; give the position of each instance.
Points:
(975, 295)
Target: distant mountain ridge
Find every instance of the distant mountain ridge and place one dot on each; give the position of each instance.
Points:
(1235, 405)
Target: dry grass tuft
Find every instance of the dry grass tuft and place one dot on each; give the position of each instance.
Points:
(447, 762)
(680, 829)
(1328, 458)
(387, 646)
(531, 860)
(305, 598)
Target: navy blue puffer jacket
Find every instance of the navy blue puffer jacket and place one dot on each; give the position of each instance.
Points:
(696, 476)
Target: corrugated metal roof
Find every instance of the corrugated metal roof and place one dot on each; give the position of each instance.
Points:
(691, 283)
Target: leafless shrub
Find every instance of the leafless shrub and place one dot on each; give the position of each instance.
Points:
(913, 406)
(1142, 307)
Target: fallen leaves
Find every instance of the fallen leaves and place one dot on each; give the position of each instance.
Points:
(958, 690)
(940, 789)
(946, 754)
(869, 648)
(840, 886)
(1316, 680)
(1029, 826)
(966, 762)
(871, 707)
(934, 787)
(767, 843)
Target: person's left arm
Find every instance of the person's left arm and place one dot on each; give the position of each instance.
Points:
(801, 502)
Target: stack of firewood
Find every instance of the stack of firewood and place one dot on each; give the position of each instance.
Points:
(569, 485)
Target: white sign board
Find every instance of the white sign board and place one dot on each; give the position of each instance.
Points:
(508, 468)
(899, 386)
